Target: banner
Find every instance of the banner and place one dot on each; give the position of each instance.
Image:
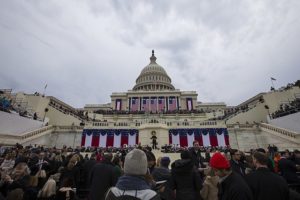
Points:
(109, 137)
(153, 104)
(132, 140)
(189, 104)
(221, 139)
(103, 139)
(205, 137)
(161, 104)
(118, 104)
(88, 140)
(117, 140)
(135, 104)
(172, 104)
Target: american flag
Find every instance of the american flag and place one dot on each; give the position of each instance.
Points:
(118, 104)
(145, 104)
(189, 104)
(153, 104)
(161, 103)
(135, 104)
(172, 103)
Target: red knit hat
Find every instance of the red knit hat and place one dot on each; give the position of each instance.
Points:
(218, 161)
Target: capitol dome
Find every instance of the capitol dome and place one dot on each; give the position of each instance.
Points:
(153, 77)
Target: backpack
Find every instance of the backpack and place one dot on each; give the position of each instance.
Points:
(110, 196)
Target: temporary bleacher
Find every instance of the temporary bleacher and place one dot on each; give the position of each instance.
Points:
(13, 124)
(291, 122)
(64, 108)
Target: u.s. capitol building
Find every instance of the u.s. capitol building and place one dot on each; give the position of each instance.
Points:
(154, 108)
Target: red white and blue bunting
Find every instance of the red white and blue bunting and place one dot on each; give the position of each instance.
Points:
(205, 136)
(109, 137)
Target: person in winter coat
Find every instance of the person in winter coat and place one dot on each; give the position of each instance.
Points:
(185, 179)
(116, 161)
(8, 163)
(263, 183)
(66, 192)
(48, 191)
(231, 186)
(71, 171)
(133, 184)
(288, 169)
(102, 177)
(19, 179)
(210, 186)
(196, 155)
(236, 165)
(163, 173)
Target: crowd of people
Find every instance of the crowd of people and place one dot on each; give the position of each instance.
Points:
(5, 103)
(76, 113)
(35, 172)
(287, 109)
(126, 112)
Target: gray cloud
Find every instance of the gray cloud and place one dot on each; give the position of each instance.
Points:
(85, 50)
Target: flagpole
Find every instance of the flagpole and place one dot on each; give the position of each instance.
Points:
(272, 82)
(45, 89)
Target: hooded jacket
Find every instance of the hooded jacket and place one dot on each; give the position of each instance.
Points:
(185, 180)
(210, 188)
(131, 187)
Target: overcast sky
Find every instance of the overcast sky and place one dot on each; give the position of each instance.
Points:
(85, 50)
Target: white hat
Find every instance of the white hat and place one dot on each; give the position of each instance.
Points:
(135, 163)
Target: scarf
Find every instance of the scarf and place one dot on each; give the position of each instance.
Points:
(132, 183)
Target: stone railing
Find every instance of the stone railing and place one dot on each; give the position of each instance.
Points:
(21, 138)
(240, 126)
(8, 139)
(37, 132)
(149, 122)
(287, 134)
(68, 128)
